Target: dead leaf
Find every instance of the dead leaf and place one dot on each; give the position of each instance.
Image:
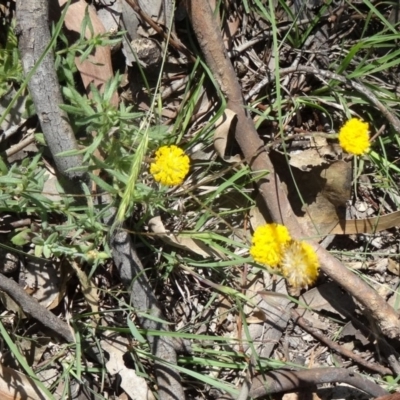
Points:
(17, 386)
(51, 188)
(224, 305)
(45, 281)
(49, 376)
(271, 309)
(97, 68)
(314, 156)
(394, 267)
(337, 185)
(223, 126)
(89, 290)
(323, 192)
(258, 317)
(306, 159)
(135, 386)
(327, 297)
(185, 243)
(350, 330)
(366, 225)
(256, 216)
(14, 117)
(110, 16)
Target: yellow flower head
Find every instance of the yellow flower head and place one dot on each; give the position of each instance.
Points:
(354, 137)
(171, 165)
(268, 243)
(300, 264)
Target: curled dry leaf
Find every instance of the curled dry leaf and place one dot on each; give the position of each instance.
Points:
(327, 297)
(324, 191)
(223, 126)
(46, 282)
(272, 313)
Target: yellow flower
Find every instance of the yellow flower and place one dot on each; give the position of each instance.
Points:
(171, 165)
(268, 243)
(300, 264)
(354, 136)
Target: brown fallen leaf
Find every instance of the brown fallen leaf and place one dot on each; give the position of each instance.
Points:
(46, 281)
(135, 386)
(89, 290)
(327, 297)
(17, 386)
(350, 330)
(223, 126)
(42, 280)
(366, 225)
(325, 190)
(97, 68)
(320, 194)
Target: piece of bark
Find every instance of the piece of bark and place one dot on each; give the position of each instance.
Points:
(270, 188)
(394, 396)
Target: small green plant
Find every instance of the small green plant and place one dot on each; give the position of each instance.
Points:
(10, 64)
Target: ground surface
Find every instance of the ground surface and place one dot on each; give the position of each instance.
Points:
(208, 318)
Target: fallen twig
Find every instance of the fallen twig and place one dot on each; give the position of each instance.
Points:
(173, 41)
(20, 145)
(303, 323)
(280, 210)
(289, 381)
(32, 307)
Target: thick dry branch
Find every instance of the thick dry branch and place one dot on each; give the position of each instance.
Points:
(270, 188)
(145, 303)
(34, 37)
(32, 307)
